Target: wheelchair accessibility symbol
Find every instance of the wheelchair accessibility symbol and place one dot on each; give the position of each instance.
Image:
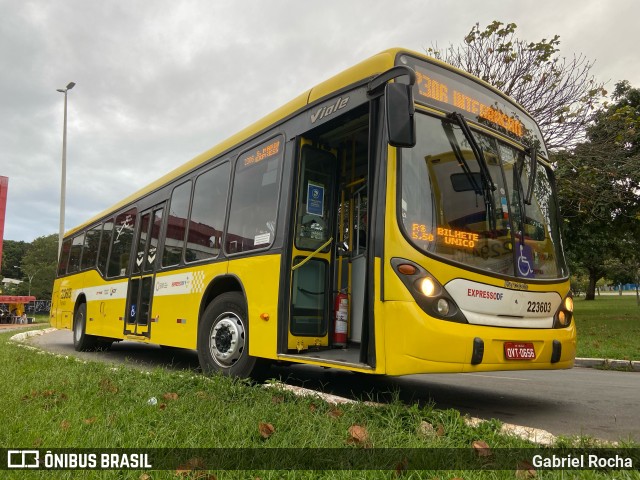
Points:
(524, 266)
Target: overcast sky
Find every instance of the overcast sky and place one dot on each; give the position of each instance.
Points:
(158, 81)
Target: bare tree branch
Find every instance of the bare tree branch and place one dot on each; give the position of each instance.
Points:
(559, 93)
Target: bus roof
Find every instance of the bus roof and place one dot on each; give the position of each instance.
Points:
(359, 72)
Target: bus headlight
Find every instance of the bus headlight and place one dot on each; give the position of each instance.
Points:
(427, 287)
(443, 306)
(568, 304)
(565, 313)
(427, 292)
(562, 318)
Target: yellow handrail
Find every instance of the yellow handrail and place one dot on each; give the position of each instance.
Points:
(322, 247)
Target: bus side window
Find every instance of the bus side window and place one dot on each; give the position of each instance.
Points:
(91, 243)
(207, 214)
(254, 199)
(75, 254)
(64, 257)
(176, 225)
(103, 254)
(121, 246)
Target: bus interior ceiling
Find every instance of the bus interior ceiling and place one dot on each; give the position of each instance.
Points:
(348, 140)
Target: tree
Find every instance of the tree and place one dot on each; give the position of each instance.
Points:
(587, 249)
(619, 123)
(12, 253)
(599, 189)
(559, 93)
(40, 264)
(626, 269)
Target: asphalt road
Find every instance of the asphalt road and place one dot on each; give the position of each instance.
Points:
(580, 401)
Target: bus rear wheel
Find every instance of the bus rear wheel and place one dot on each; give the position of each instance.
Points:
(223, 337)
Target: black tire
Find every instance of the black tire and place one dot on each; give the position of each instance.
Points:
(223, 337)
(82, 342)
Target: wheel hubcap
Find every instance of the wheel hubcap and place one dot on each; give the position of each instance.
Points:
(78, 328)
(227, 340)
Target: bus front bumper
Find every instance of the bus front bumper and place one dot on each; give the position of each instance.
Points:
(417, 343)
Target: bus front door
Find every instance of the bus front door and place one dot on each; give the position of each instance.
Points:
(312, 252)
(140, 291)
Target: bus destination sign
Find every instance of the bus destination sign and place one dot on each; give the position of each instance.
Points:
(260, 153)
(429, 87)
(444, 89)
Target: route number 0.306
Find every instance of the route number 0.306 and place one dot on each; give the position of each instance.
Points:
(519, 351)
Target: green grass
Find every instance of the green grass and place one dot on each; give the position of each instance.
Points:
(608, 327)
(60, 402)
(41, 318)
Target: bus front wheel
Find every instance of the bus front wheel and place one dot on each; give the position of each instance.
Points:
(82, 342)
(223, 337)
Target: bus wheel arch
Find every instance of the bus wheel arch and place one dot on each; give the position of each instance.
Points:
(218, 286)
(223, 336)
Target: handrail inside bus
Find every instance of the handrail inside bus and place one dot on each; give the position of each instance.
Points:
(310, 256)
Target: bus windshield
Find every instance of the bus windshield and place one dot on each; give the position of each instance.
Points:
(450, 210)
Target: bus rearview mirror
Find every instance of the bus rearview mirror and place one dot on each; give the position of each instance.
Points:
(399, 111)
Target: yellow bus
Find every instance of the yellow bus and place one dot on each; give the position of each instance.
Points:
(398, 218)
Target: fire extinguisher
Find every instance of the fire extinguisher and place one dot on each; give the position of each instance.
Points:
(341, 312)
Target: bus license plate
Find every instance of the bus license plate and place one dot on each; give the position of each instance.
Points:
(519, 351)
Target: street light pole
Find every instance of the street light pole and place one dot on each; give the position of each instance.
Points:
(64, 166)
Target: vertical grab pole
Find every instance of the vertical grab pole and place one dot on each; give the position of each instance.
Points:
(340, 235)
(351, 224)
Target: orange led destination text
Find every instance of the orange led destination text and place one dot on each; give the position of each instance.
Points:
(262, 153)
(419, 232)
(458, 237)
(430, 88)
(494, 115)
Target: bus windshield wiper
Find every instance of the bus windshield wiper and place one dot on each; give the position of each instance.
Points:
(532, 152)
(487, 182)
(517, 172)
(453, 142)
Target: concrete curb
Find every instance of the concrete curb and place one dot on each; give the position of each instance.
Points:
(534, 435)
(608, 363)
(22, 336)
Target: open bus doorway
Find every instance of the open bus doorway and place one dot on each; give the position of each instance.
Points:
(329, 254)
